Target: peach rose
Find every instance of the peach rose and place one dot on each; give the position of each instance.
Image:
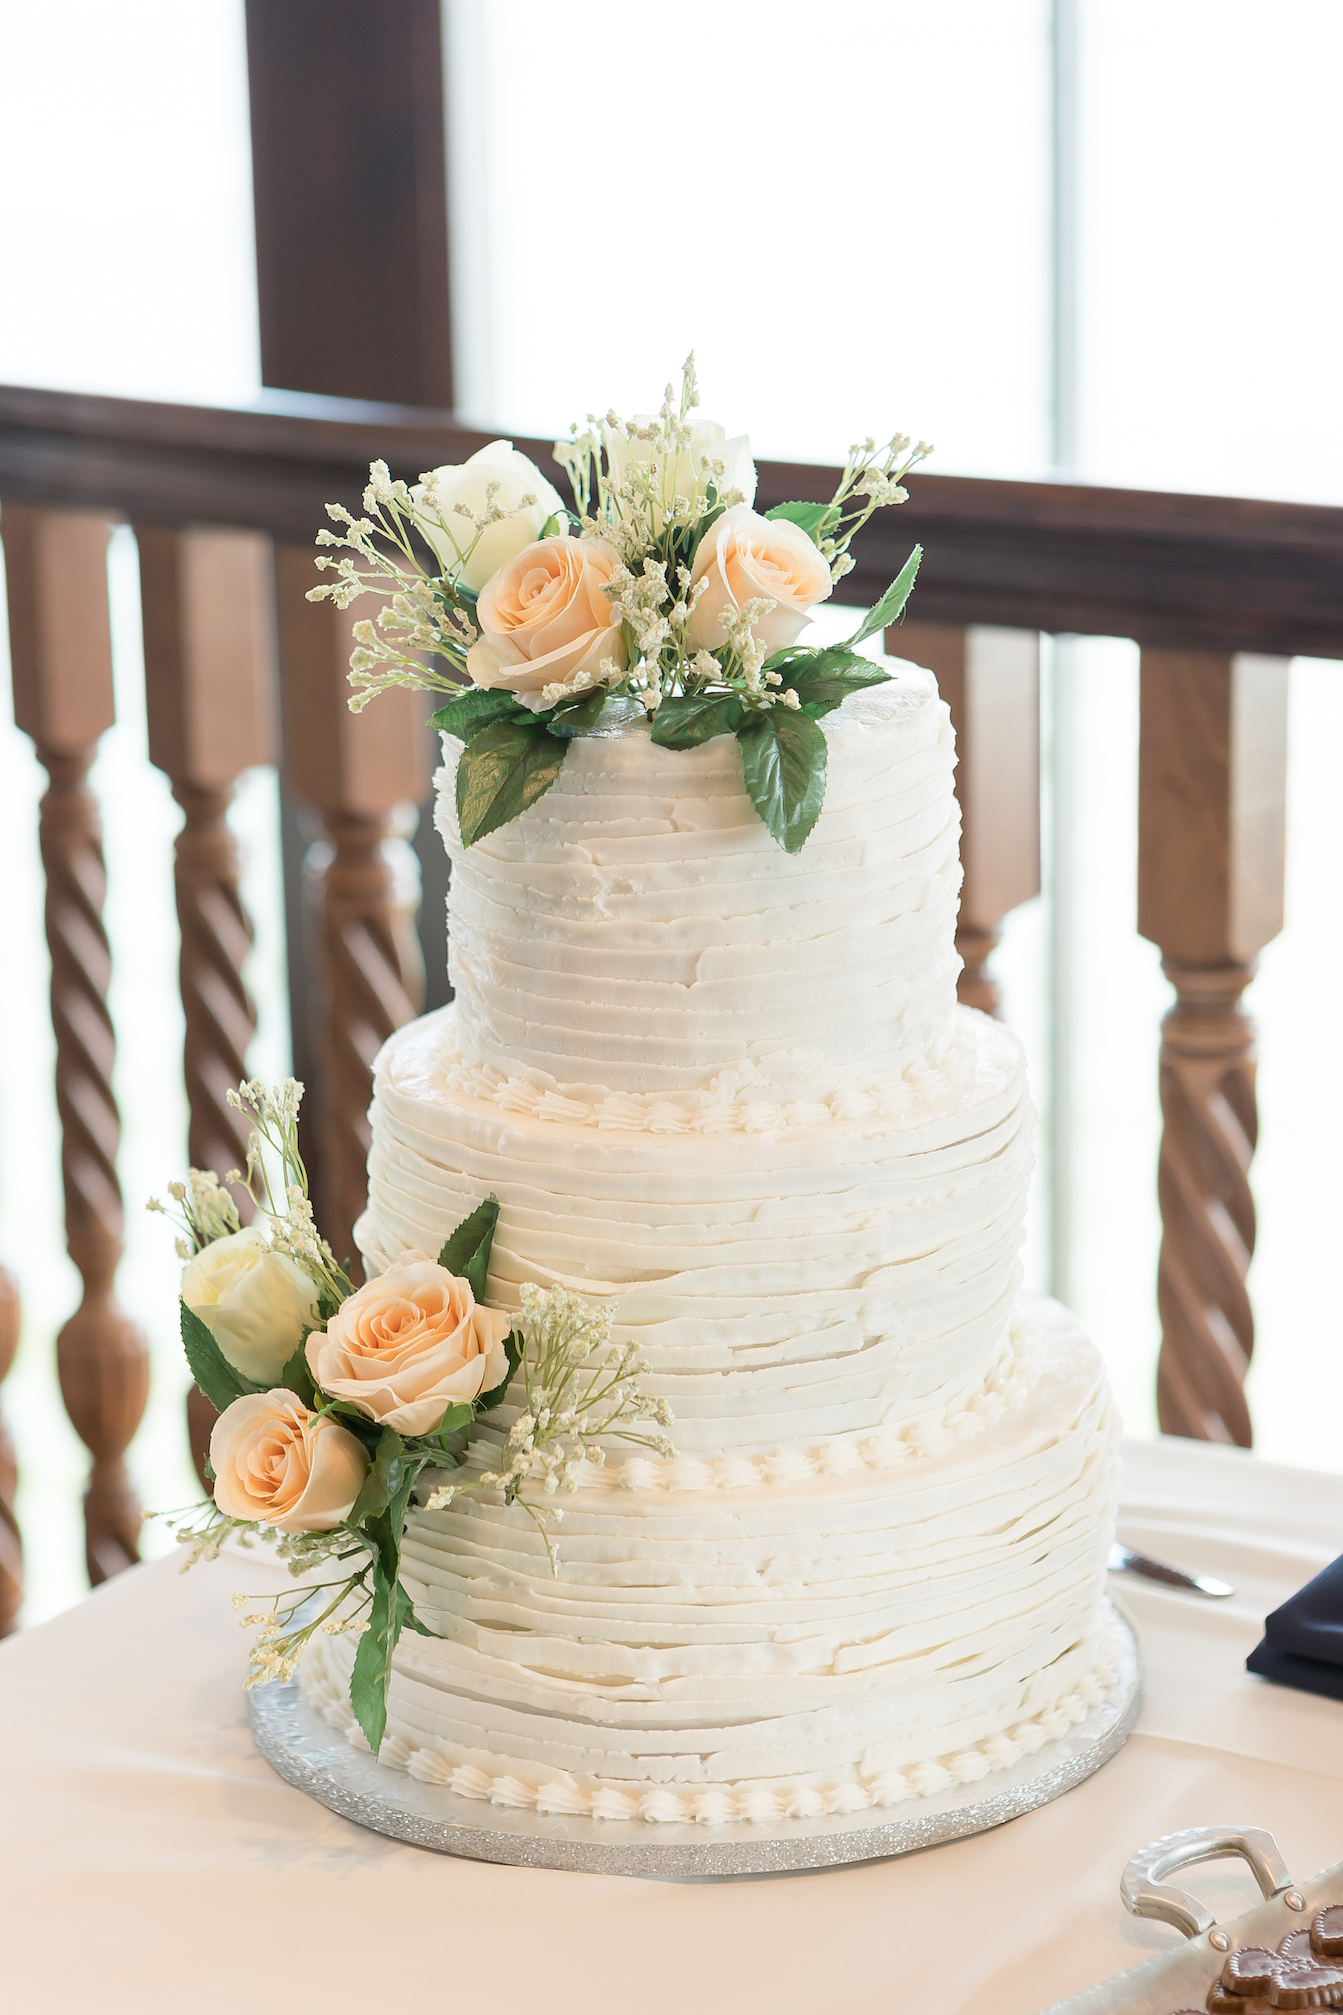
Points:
(276, 1462)
(745, 557)
(409, 1345)
(543, 617)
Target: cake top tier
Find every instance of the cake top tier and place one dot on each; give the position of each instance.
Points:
(637, 930)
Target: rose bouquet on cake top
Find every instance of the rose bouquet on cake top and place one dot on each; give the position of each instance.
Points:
(660, 588)
(336, 1403)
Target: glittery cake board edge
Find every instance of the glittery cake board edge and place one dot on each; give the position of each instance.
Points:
(309, 1754)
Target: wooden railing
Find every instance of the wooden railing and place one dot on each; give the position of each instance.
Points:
(1218, 592)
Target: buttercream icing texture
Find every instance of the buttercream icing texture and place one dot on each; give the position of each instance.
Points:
(731, 1088)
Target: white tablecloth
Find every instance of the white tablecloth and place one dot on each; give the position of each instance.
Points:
(151, 1862)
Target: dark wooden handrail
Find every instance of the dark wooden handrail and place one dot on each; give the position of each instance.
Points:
(1191, 572)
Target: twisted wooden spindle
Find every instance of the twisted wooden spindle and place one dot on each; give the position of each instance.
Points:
(1210, 1125)
(101, 1356)
(359, 882)
(1212, 794)
(207, 599)
(60, 649)
(216, 938)
(11, 1547)
(990, 680)
(371, 985)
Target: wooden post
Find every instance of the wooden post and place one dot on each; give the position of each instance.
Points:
(209, 629)
(11, 1546)
(990, 679)
(350, 190)
(56, 563)
(354, 771)
(1212, 797)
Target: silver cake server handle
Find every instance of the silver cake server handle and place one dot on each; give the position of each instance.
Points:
(1123, 1560)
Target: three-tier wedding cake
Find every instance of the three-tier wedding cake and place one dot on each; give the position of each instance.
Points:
(730, 1087)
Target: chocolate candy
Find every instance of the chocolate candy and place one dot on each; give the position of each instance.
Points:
(1221, 2002)
(1326, 1931)
(1307, 1983)
(1251, 1971)
(1296, 1945)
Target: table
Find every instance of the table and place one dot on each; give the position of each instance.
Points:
(151, 1862)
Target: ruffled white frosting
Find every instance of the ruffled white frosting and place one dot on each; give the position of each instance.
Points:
(812, 1283)
(732, 1090)
(813, 1646)
(638, 930)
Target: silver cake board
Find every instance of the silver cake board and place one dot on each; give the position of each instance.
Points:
(311, 1755)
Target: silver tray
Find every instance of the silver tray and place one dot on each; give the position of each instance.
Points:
(1180, 1979)
(309, 1754)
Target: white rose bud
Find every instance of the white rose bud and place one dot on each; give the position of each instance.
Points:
(678, 476)
(256, 1303)
(468, 483)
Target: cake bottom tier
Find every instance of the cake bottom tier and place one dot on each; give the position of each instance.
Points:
(794, 1649)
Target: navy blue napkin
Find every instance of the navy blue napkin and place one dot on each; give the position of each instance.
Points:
(1302, 1644)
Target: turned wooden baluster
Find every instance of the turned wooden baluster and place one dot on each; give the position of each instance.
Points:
(990, 679)
(209, 630)
(56, 564)
(1212, 792)
(360, 884)
(11, 1547)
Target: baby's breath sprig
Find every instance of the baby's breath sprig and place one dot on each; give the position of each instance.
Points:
(424, 614)
(285, 1201)
(579, 1390)
(872, 479)
(205, 1211)
(288, 1620)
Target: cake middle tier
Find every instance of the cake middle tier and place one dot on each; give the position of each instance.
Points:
(794, 1289)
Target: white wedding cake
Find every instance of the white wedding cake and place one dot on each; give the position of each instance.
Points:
(731, 1088)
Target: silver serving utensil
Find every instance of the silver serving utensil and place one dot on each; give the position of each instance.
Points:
(1123, 1560)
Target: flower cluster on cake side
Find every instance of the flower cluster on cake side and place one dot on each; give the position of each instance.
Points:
(660, 593)
(335, 1400)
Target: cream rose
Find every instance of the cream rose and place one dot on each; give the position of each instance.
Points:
(467, 483)
(677, 476)
(409, 1345)
(744, 558)
(256, 1303)
(276, 1462)
(543, 617)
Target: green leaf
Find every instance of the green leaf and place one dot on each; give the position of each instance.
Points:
(553, 525)
(489, 1400)
(823, 679)
(503, 770)
(372, 1671)
(296, 1376)
(458, 1415)
(687, 719)
(473, 710)
(412, 1622)
(391, 1605)
(578, 716)
(892, 602)
(811, 517)
(211, 1370)
(783, 757)
(466, 1251)
(384, 1478)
